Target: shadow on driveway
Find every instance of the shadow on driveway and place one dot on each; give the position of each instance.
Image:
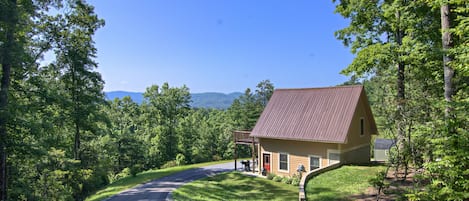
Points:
(160, 189)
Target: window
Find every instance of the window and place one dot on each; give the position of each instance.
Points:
(283, 161)
(314, 162)
(333, 156)
(362, 126)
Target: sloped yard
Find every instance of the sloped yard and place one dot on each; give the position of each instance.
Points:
(143, 177)
(235, 186)
(342, 183)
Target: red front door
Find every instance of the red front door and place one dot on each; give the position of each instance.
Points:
(266, 162)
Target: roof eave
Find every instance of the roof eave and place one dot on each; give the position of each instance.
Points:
(300, 139)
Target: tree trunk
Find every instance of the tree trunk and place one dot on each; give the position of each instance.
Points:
(76, 147)
(5, 83)
(401, 137)
(447, 44)
(7, 55)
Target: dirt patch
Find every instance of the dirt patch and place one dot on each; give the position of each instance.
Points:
(397, 189)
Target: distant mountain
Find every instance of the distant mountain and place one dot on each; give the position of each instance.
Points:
(199, 100)
(213, 100)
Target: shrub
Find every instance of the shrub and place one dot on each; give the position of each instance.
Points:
(277, 178)
(180, 159)
(135, 169)
(379, 182)
(124, 173)
(295, 181)
(216, 158)
(270, 176)
(286, 180)
(169, 164)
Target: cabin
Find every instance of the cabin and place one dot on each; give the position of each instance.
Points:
(381, 149)
(313, 128)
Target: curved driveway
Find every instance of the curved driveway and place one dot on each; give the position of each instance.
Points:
(160, 189)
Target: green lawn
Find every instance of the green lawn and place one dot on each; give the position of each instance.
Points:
(235, 186)
(143, 177)
(341, 183)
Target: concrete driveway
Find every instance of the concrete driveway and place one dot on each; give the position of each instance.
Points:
(160, 189)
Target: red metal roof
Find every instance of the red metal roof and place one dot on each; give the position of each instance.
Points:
(313, 114)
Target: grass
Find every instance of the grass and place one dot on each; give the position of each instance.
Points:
(339, 184)
(143, 177)
(235, 186)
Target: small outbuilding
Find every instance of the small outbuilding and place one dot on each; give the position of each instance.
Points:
(381, 149)
(314, 128)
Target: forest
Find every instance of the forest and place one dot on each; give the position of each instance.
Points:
(61, 140)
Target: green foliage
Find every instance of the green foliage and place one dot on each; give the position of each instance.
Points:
(270, 176)
(180, 159)
(295, 181)
(449, 173)
(407, 34)
(379, 182)
(277, 178)
(169, 164)
(287, 180)
(63, 141)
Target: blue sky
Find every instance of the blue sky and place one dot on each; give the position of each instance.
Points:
(219, 45)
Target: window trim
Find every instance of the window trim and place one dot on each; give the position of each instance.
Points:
(288, 162)
(309, 161)
(334, 151)
(362, 126)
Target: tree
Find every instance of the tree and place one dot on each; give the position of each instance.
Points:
(20, 47)
(80, 88)
(9, 20)
(264, 91)
(167, 106)
(123, 129)
(82, 85)
(386, 35)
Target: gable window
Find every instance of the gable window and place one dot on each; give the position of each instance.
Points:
(362, 126)
(283, 161)
(314, 162)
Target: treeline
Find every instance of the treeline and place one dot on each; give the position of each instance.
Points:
(164, 131)
(60, 139)
(413, 58)
(120, 139)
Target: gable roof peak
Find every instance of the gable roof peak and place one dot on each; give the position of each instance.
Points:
(310, 114)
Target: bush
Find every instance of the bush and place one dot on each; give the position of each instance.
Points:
(169, 164)
(287, 180)
(180, 159)
(277, 178)
(379, 182)
(216, 158)
(295, 181)
(270, 176)
(135, 169)
(124, 173)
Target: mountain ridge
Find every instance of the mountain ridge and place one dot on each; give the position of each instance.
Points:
(215, 100)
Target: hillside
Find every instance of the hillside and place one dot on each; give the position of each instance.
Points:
(199, 100)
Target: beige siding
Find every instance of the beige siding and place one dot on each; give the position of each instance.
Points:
(357, 145)
(356, 149)
(298, 152)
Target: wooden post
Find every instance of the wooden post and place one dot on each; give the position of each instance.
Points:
(235, 156)
(253, 154)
